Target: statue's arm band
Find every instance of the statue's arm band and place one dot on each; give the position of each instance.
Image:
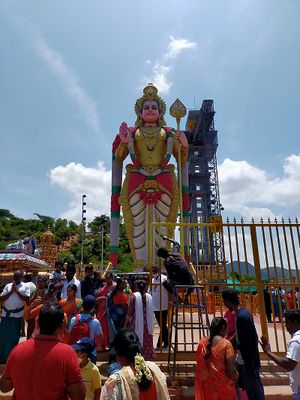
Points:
(122, 152)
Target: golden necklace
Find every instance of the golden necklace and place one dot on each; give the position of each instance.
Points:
(150, 135)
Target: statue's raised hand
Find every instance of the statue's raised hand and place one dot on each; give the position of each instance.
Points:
(182, 138)
(124, 133)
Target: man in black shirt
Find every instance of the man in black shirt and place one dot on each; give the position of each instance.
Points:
(247, 361)
(87, 284)
(177, 270)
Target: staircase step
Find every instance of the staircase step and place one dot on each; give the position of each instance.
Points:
(182, 393)
(270, 374)
(176, 393)
(274, 378)
(275, 392)
(278, 392)
(268, 366)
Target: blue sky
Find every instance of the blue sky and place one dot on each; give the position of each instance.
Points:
(71, 71)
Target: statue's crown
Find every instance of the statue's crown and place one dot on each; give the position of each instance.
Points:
(150, 93)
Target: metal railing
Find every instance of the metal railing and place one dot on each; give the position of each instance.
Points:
(260, 261)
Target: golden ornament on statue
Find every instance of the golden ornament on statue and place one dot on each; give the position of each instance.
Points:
(178, 111)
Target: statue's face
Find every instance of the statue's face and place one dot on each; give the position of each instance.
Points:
(150, 111)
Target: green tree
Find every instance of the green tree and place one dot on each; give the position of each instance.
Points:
(13, 228)
(61, 227)
(73, 228)
(45, 219)
(96, 225)
(126, 263)
(6, 214)
(66, 256)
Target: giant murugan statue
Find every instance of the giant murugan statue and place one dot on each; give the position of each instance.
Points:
(150, 191)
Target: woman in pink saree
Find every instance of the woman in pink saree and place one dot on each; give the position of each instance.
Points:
(102, 312)
(215, 370)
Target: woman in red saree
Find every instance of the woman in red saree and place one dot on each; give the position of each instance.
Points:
(102, 311)
(215, 370)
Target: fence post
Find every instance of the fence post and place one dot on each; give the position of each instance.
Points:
(261, 302)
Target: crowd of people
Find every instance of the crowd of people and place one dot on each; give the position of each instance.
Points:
(69, 320)
(228, 362)
(88, 315)
(277, 301)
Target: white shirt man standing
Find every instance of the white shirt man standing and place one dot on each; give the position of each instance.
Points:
(70, 278)
(15, 295)
(160, 303)
(291, 361)
(30, 284)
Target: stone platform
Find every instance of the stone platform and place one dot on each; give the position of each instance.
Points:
(274, 379)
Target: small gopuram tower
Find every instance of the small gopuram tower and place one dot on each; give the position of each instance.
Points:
(48, 248)
(205, 206)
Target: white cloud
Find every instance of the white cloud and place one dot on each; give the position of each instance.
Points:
(160, 78)
(67, 77)
(244, 188)
(247, 189)
(176, 46)
(77, 180)
(162, 67)
(257, 213)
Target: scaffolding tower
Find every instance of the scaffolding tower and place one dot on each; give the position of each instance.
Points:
(203, 183)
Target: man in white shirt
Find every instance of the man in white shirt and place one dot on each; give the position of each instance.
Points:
(15, 295)
(70, 278)
(160, 302)
(30, 284)
(291, 362)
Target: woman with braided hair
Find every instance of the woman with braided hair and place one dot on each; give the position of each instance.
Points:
(138, 379)
(215, 371)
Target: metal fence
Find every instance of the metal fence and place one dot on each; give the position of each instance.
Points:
(259, 260)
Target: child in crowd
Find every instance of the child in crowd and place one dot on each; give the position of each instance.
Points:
(57, 278)
(89, 371)
(85, 325)
(58, 274)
